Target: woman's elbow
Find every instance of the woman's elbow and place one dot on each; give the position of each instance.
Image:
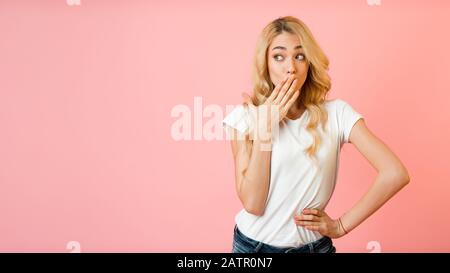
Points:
(407, 179)
(400, 175)
(255, 210)
(252, 204)
(403, 176)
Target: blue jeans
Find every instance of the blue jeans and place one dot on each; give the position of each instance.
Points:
(244, 244)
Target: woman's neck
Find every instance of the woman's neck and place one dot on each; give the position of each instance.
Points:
(296, 111)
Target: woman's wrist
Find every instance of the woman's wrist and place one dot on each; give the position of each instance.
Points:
(342, 227)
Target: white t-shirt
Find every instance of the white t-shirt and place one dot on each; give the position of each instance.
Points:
(296, 182)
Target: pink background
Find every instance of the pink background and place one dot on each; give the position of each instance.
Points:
(86, 93)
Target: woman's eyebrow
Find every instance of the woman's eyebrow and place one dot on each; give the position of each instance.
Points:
(283, 48)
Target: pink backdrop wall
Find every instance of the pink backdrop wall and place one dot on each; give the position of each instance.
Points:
(87, 159)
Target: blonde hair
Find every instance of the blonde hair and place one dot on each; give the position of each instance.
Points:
(317, 83)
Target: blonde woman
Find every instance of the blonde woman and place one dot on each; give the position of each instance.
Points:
(285, 179)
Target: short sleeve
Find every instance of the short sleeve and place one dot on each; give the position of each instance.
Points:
(347, 117)
(237, 119)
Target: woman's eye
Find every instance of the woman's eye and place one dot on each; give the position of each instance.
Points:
(276, 57)
(302, 56)
(299, 57)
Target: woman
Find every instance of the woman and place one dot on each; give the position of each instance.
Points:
(286, 141)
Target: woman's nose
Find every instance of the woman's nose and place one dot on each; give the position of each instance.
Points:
(291, 69)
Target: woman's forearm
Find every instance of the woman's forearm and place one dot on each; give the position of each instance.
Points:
(386, 185)
(256, 178)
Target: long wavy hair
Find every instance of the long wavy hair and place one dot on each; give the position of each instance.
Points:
(317, 84)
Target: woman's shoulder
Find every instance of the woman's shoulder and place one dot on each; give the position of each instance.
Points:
(343, 114)
(339, 109)
(333, 102)
(238, 118)
(237, 112)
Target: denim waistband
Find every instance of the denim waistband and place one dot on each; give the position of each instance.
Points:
(307, 248)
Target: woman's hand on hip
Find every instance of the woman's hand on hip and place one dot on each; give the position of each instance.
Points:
(318, 220)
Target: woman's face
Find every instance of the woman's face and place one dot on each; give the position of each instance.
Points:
(286, 55)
